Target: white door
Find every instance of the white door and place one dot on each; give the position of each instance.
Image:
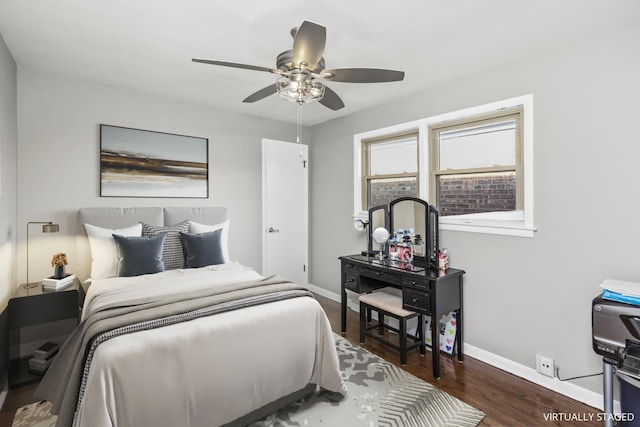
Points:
(285, 205)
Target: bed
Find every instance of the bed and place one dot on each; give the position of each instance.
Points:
(208, 345)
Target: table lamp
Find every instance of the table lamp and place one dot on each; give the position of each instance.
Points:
(47, 227)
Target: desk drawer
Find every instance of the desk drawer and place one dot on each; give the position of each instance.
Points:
(416, 301)
(349, 267)
(384, 276)
(416, 283)
(351, 282)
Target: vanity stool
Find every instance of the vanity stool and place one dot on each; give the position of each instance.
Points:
(388, 304)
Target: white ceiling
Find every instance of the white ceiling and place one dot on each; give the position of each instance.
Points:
(147, 45)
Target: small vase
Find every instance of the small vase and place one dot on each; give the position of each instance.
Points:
(58, 272)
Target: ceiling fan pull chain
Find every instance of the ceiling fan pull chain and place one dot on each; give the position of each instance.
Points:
(299, 122)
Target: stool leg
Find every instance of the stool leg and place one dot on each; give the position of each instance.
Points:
(363, 321)
(403, 341)
(380, 323)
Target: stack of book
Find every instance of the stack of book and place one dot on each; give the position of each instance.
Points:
(621, 291)
(53, 284)
(43, 357)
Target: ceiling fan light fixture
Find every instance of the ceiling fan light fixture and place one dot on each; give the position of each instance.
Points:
(300, 88)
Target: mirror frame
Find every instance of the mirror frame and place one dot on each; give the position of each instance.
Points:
(431, 237)
(385, 210)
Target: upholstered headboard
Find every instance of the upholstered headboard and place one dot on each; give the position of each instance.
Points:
(124, 217)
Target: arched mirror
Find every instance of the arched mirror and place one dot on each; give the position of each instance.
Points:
(378, 217)
(413, 220)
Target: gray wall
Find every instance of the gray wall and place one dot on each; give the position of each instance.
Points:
(8, 146)
(58, 160)
(523, 295)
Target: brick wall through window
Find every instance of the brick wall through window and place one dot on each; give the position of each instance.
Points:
(476, 193)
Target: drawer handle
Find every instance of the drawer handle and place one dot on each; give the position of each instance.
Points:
(379, 273)
(351, 280)
(414, 283)
(414, 300)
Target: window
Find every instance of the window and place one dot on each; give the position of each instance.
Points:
(476, 165)
(390, 169)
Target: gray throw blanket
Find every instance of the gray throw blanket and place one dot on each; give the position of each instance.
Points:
(62, 383)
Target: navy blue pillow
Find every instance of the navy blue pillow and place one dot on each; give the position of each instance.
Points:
(202, 249)
(139, 255)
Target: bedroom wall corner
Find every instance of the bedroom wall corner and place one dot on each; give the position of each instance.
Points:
(8, 198)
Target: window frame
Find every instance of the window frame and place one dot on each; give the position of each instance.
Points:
(366, 163)
(512, 114)
(519, 224)
(358, 139)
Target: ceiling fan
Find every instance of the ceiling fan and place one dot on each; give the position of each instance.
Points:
(302, 71)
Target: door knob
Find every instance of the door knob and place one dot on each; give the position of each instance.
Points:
(273, 230)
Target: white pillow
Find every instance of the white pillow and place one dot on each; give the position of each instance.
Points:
(197, 228)
(104, 254)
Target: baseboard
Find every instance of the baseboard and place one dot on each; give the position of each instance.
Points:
(573, 391)
(570, 390)
(325, 293)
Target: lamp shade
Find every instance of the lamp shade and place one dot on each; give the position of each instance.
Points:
(50, 228)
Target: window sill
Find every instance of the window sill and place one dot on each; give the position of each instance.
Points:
(506, 228)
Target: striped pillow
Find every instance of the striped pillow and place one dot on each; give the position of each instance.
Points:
(172, 252)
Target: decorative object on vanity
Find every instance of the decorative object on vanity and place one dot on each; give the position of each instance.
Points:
(443, 259)
(381, 236)
(142, 163)
(387, 393)
(302, 71)
(58, 262)
(47, 227)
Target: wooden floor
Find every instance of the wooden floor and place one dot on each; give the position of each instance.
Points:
(505, 399)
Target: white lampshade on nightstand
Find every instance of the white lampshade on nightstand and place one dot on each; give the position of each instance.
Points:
(47, 227)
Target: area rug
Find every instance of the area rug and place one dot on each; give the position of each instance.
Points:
(379, 394)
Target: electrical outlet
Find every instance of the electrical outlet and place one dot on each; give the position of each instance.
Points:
(545, 365)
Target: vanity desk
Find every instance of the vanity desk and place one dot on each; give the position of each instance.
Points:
(424, 290)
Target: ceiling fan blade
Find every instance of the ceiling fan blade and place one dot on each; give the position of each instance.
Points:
(236, 65)
(331, 100)
(262, 93)
(308, 44)
(363, 75)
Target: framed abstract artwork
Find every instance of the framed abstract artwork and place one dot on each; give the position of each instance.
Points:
(142, 163)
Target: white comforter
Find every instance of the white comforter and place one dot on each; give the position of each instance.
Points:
(208, 371)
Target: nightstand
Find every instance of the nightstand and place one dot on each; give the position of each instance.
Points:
(37, 315)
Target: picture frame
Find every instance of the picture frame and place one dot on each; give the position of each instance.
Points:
(144, 163)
